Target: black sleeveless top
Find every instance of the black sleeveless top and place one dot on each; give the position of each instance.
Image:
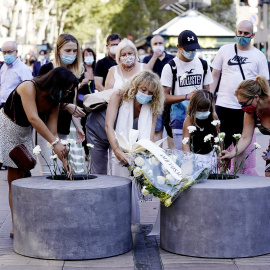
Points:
(15, 111)
(204, 127)
(263, 130)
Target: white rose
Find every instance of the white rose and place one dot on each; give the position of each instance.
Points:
(145, 192)
(217, 139)
(49, 145)
(215, 122)
(208, 137)
(153, 161)
(54, 157)
(137, 172)
(139, 161)
(150, 173)
(257, 146)
(170, 178)
(161, 180)
(185, 140)
(191, 129)
(37, 150)
(237, 136)
(89, 145)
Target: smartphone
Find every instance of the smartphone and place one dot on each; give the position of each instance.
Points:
(267, 154)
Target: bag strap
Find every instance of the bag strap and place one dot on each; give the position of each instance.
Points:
(238, 60)
(205, 67)
(174, 72)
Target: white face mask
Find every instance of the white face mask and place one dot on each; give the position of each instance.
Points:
(41, 57)
(113, 50)
(89, 60)
(155, 48)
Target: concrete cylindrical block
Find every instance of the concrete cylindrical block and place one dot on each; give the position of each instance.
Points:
(72, 220)
(219, 219)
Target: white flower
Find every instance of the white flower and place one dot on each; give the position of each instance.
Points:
(49, 145)
(237, 136)
(54, 157)
(208, 137)
(139, 161)
(145, 192)
(170, 179)
(216, 147)
(153, 161)
(161, 180)
(191, 129)
(257, 146)
(70, 141)
(150, 173)
(89, 145)
(217, 139)
(221, 135)
(185, 140)
(64, 142)
(184, 76)
(215, 122)
(137, 172)
(37, 150)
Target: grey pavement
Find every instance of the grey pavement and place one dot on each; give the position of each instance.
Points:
(9, 260)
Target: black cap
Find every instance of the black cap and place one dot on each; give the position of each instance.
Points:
(188, 40)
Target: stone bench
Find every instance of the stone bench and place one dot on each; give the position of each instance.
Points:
(219, 219)
(72, 220)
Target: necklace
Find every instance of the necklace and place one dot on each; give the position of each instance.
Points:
(128, 69)
(201, 129)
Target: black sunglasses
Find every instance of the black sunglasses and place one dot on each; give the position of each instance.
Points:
(244, 104)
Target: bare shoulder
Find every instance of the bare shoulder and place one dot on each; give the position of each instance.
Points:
(26, 87)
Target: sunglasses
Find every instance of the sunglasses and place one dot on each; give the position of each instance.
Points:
(244, 104)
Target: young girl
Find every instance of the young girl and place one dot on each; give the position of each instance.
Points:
(200, 114)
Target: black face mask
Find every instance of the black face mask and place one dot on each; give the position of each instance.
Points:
(32, 61)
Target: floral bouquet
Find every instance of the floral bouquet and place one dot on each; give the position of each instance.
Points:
(163, 173)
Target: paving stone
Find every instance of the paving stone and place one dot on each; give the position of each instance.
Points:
(196, 266)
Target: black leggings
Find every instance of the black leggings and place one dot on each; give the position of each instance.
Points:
(231, 122)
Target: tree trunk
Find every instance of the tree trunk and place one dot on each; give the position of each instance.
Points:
(14, 20)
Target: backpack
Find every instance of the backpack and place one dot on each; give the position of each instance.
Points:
(167, 107)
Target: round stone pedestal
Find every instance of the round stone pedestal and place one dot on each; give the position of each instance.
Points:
(219, 219)
(72, 220)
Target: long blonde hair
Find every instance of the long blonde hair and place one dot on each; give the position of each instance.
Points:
(77, 66)
(249, 88)
(152, 81)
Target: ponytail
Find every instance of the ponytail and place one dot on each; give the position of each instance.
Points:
(250, 88)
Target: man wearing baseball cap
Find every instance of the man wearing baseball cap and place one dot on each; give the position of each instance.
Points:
(192, 74)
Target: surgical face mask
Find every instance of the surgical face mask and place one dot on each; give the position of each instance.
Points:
(41, 57)
(143, 98)
(89, 60)
(202, 115)
(9, 58)
(128, 60)
(189, 55)
(113, 49)
(243, 41)
(155, 48)
(142, 57)
(68, 59)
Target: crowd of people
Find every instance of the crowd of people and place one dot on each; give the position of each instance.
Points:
(48, 96)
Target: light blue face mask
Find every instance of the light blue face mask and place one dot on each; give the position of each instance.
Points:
(68, 59)
(202, 115)
(143, 98)
(243, 41)
(189, 55)
(9, 58)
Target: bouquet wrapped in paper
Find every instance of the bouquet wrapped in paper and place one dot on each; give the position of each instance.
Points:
(163, 173)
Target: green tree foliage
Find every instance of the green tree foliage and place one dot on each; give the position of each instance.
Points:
(222, 12)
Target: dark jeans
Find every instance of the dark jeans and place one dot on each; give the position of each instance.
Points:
(231, 122)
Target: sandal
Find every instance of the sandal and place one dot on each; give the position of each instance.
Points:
(11, 235)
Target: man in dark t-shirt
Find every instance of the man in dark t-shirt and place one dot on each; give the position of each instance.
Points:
(104, 64)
